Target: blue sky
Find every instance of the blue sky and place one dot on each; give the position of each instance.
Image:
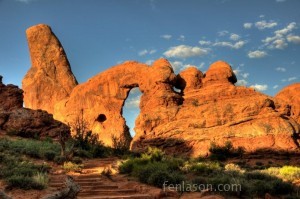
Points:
(259, 38)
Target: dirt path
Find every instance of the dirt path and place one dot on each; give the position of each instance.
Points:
(96, 186)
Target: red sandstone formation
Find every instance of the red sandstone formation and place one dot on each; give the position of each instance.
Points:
(290, 95)
(14, 119)
(210, 108)
(50, 78)
(216, 111)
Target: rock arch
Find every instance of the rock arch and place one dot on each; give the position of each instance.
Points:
(209, 108)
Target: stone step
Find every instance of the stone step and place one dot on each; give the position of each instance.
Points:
(98, 186)
(56, 185)
(90, 175)
(106, 192)
(134, 196)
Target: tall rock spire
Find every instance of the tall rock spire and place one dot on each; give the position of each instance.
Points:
(50, 78)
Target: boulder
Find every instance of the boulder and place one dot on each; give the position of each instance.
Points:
(11, 97)
(290, 96)
(50, 78)
(16, 120)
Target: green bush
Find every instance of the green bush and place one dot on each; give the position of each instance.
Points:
(59, 159)
(69, 166)
(153, 154)
(33, 148)
(289, 173)
(221, 153)
(205, 168)
(158, 177)
(143, 172)
(22, 174)
(23, 182)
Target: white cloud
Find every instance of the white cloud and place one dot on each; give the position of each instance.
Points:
(257, 54)
(149, 62)
(279, 44)
(286, 30)
(245, 75)
(276, 86)
(135, 90)
(247, 25)
(241, 82)
(152, 52)
(201, 65)
(234, 37)
(292, 79)
(223, 33)
(281, 69)
(261, 16)
(293, 39)
(184, 51)
(145, 52)
(133, 102)
(236, 45)
(181, 38)
(25, 1)
(278, 41)
(167, 37)
(260, 87)
(289, 79)
(280, 1)
(203, 42)
(264, 24)
(177, 65)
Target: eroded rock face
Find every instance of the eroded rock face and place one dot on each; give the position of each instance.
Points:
(11, 97)
(218, 111)
(210, 108)
(102, 97)
(16, 120)
(50, 78)
(290, 96)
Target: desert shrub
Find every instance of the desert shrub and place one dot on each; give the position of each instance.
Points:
(143, 172)
(49, 155)
(41, 179)
(33, 148)
(205, 168)
(70, 166)
(77, 160)
(23, 174)
(84, 142)
(289, 173)
(23, 182)
(223, 152)
(174, 164)
(233, 168)
(154, 168)
(258, 175)
(59, 159)
(153, 154)
(121, 145)
(159, 177)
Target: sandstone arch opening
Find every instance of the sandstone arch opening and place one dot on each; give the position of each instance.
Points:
(101, 118)
(131, 109)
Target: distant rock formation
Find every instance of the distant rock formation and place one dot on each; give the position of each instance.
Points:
(290, 95)
(50, 78)
(16, 120)
(209, 108)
